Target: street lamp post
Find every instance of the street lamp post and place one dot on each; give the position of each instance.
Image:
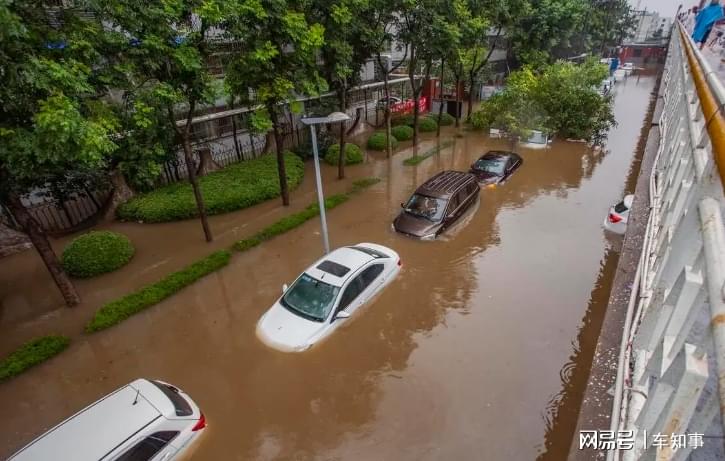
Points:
(335, 117)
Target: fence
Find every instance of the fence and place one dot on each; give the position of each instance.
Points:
(671, 376)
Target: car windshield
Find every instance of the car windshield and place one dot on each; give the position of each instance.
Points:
(430, 208)
(310, 298)
(620, 207)
(495, 165)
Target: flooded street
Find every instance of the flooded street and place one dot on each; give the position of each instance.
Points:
(473, 352)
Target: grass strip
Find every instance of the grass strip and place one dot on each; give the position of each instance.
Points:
(121, 309)
(416, 159)
(30, 354)
(297, 219)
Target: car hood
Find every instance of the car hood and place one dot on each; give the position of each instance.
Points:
(285, 331)
(415, 226)
(484, 177)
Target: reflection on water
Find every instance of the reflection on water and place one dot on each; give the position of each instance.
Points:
(457, 359)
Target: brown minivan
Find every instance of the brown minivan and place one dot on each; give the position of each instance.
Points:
(437, 204)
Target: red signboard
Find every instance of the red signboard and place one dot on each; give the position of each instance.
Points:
(405, 107)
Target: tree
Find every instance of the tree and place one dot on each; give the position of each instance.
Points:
(559, 98)
(426, 33)
(167, 49)
(276, 56)
(50, 122)
(382, 35)
(348, 44)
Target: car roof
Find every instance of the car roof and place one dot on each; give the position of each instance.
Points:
(346, 256)
(445, 184)
(92, 433)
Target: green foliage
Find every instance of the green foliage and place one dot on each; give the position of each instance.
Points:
(97, 252)
(562, 98)
(402, 132)
(446, 119)
(416, 159)
(427, 124)
(30, 354)
(378, 141)
(353, 154)
(402, 120)
(116, 311)
(297, 219)
(235, 187)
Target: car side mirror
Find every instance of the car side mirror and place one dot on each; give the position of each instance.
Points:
(284, 288)
(402, 205)
(342, 315)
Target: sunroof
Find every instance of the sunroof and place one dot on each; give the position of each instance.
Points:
(333, 268)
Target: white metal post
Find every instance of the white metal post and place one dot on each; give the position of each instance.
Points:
(320, 198)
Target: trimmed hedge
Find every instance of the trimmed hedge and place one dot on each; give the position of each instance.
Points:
(237, 186)
(427, 125)
(97, 252)
(297, 219)
(446, 119)
(121, 309)
(30, 354)
(353, 154)
(378, 141)
(403, 120)
(416, 159)
(402, 132)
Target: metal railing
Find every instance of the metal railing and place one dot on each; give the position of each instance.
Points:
(671, 376)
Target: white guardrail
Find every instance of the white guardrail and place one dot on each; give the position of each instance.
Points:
(671, 379)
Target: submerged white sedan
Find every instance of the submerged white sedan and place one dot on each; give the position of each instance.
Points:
(326, 294)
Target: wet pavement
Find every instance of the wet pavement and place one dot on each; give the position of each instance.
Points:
(479, 350)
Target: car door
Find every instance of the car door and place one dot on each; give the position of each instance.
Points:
(360, 288)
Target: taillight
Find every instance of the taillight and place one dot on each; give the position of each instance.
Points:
(201, 424)
(613, 218)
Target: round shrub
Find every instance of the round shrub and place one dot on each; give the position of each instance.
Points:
(427, 125)
(446, 119)
(402, 132)
(402, 120)
(96, 253)
(378, 141)
(353, 154)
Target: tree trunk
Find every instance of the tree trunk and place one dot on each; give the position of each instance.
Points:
(416, 114)
(189, 158)
(121, 193)
(206, 162)
(341, 162)
(458, 102)
(469, 109)
(40, 241)
(268, 141)
(386, 116)
(412, 65)
(283, 188)
(440, 100)
(237, 148)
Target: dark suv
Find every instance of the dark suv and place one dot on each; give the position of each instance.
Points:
(437, 204)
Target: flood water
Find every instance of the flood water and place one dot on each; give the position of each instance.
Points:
(476, 351)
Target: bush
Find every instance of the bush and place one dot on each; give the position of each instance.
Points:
(402, 132)
(402, 120)
(96, 253)
(353, 154)
(427, 125)
(378, 141)
(235, 187)
(297, 219)
(446, 119)
(121, 309)
(30, 354)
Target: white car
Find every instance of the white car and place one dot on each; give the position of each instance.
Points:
(149, 420)
(382, 101)
(327, 294)
(627, 67)
(616, 220)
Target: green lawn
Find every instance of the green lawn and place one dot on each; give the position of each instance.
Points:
(235, 187)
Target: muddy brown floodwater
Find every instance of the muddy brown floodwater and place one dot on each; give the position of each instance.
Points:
(467, 355)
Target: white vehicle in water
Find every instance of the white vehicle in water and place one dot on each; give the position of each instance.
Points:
(327, 293)
(144, 420)
(537, 140)
(618, 216)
